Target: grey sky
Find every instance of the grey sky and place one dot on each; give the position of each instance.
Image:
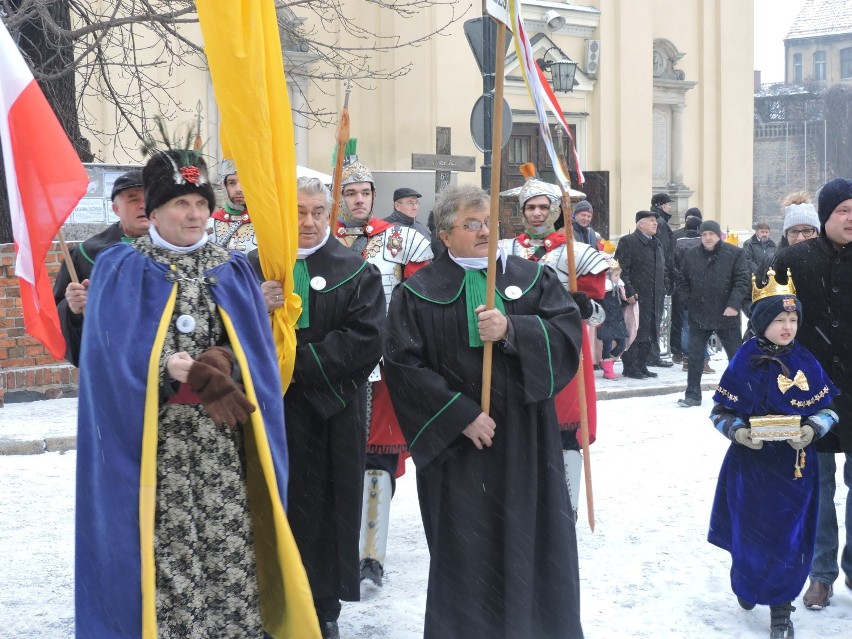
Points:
(772, 21)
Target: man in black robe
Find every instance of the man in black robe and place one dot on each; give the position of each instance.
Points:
(493, 497)
(338, 344)
(128, 204)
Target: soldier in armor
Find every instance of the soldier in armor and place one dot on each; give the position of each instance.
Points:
(398, 252)
(231, 225)
(539, 203)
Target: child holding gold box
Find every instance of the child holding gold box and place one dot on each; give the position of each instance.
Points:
(772, 401)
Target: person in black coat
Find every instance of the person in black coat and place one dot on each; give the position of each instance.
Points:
(660, 206)
(643, 271)
(714, 283)
(822, 271)
(692, 221)
(128, 204)
(759, 251)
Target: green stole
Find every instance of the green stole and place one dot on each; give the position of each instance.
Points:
(474, 288)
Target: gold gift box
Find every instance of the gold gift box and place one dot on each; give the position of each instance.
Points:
(776, 427)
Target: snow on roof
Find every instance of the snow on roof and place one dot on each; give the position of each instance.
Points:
(822, 18)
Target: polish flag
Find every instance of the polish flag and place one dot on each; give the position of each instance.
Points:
(45, 180)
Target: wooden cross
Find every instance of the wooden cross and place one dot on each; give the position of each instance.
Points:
(441, 161)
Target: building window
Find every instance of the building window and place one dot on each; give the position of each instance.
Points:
(846, 63)
(819, 65)
(797, 68)
(519, 150)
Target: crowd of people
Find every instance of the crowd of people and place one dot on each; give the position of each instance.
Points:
(245, 511)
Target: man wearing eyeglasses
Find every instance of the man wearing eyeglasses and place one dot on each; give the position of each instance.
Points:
(495, 506)
(822, 270)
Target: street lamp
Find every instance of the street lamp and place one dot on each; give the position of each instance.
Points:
(562, 72)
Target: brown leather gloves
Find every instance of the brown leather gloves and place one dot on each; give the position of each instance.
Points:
(210, 378)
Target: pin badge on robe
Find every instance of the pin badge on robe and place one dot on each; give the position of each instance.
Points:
(513, 292)
(318, 283)
(185, 323)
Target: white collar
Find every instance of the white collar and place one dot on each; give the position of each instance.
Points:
(157, 240)
(302, 253)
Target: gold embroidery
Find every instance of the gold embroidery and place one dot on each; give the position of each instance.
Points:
(813, 400)
(726, 393)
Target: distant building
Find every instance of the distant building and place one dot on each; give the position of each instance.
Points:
(818, 47)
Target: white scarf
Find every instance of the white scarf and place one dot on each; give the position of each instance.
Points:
(302, 253)
(157, 240)
(478, 263)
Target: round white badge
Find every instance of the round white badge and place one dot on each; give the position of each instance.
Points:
(318, 283)
(185, 323)
(513, 292)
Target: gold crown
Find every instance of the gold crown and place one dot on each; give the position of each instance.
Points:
(772, 287)
(613, 264)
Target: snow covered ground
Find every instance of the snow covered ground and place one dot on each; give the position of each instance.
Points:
(647, 571)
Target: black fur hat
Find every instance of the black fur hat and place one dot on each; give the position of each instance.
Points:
(169, 174)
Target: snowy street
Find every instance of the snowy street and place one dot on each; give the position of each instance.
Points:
(647, 571)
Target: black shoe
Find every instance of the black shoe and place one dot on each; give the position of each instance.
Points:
(372, 570)
(744, 604)
(635, 374)
(781, 627)
(688, 402)
(660, 363)
(648, 373)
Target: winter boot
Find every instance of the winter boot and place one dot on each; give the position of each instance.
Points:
(375, 518)
(685, 364)
(707, 368)
(573, 461)
(607, 366)
(781, 627)
(329, 630)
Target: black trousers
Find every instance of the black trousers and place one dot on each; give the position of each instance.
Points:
(676, 326)
(634, 357)
(731, 340)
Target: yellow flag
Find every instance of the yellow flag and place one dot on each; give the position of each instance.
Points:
(244, 56)
(256, 130)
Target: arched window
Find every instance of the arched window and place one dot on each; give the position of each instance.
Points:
(797, 68)
(846, 62)
(819, 65)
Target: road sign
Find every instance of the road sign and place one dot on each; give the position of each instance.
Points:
(481, 138)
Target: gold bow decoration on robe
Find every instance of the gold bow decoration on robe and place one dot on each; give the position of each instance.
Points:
(784, 383)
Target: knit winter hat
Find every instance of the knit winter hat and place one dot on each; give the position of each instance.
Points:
(692, 223)
(582, 205)
(169, 174)
(796, 214)
(710, 225)
(693, 212)
(767, 309)
(832, 194)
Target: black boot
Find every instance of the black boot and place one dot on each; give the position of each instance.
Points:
(329, 630)
(781, 627)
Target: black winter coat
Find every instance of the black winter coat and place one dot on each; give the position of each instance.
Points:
(644, 274)
(710, 281)
(823, 279)
(759, 256)
(667, 241)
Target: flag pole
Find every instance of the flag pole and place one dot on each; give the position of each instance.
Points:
(66, 254)
(342, 141)
(493, 222)
(581, 377)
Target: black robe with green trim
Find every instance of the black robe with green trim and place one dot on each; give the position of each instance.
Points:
(325, 410)
(498, 521)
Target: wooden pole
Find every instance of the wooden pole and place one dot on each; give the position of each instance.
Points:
(581, 377)
(342, 141)
(493, 233)
(66, 254)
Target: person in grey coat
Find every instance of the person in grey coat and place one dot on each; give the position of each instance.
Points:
(759, 251)
(714, 282)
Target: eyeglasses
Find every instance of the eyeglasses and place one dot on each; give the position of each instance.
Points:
(472, 225)
(792, 234)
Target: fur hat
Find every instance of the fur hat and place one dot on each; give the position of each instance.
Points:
(767, 309)
(641, 215)
(797, 214)
(833, 193)
(711, 225)
(169, 174)
(661, 198)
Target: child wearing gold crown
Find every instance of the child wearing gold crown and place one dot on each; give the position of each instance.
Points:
(765, 508)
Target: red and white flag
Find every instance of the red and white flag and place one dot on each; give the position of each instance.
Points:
(45, 180)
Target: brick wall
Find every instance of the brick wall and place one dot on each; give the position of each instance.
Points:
(27, 370)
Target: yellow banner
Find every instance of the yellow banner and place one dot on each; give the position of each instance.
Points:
(256, 130)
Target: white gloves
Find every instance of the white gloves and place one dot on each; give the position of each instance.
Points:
(743, 436)
(806, 438)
